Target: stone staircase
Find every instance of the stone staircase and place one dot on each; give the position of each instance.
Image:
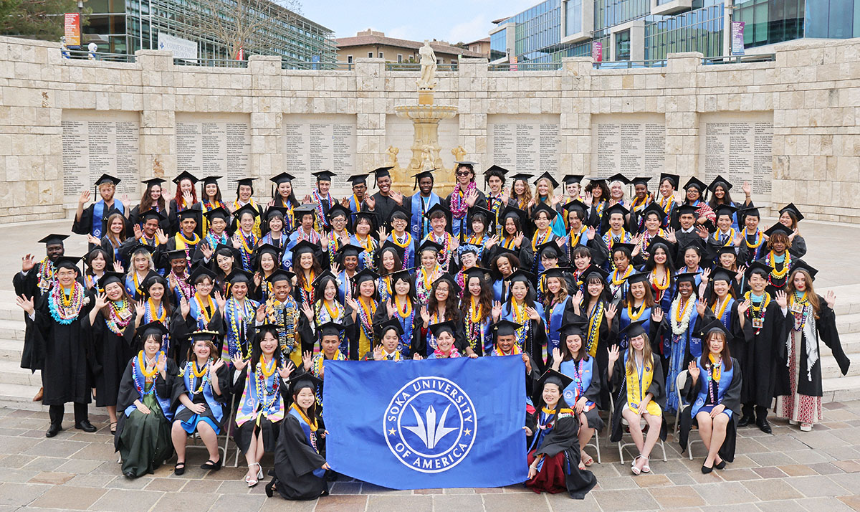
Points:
(18, 385)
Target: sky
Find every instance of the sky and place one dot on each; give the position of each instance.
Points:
(449, 20)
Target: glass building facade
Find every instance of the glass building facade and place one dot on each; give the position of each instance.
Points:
(703, 27)
(125, 26)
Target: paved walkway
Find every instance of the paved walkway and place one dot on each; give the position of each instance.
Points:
(787, 471)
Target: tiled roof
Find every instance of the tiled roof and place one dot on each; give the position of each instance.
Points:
(345, 42)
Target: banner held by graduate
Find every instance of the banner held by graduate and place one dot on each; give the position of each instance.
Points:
(428, 424)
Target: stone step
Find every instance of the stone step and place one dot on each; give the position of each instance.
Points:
(12, 373)
(829, 368)
(12, 329)
(10, 350)
(847, 324)
(16, 396)
(841, 389)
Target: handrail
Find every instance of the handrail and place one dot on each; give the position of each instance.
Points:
(416, 66)
(211, 63)
(525, 66)
(106, 57)
(738, 59)
(631, 64)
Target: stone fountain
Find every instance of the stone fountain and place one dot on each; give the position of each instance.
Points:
(425, 118)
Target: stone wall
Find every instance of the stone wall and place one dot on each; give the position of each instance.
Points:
(812, 90)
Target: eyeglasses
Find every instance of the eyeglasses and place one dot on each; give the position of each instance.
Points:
(463, 173)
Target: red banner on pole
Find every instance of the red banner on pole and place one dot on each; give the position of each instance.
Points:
(73, 29)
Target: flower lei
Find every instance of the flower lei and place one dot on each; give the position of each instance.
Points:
(658, 285)
(406, 308)
(759, 238)
(540, 238)
(317, 198)
(234, 342)
(453, 353)
(247, 248)
(317, 364)
(66, 310)
(680, 317)
(799, 318)
(757, 312)
(722, 308)
(119, 315)
(139, 368)
(615, 279)
(635, 317)
(190, 376)
(261, 376)
(47, 274)
(153, 312)
(521, 318)
(215, 240)
(334, 245)
(306, 290)
(636, 204)
(183, 285)
(473, 322)
(646, 240)
(445, 254)
(574, 238)
(514, 351)
(778, 274)
(666, 202)
(610, 239)
(283, 314)
(365, 313)
(207, 317)
(458, 199)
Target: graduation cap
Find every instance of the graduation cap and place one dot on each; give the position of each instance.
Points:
(188, 213)
(324, 276)
(572, 178)
(381, 172)
(217, 213)
(558, 272)
(358, 179)
(778, 228)
(550, 377)
(594, 271)
(330, 329)
(364, 275)
(323, 175)
(641, 180)
(618, 246)
(686, 277)
(751, 211)
(452, 282)
(200, 272)
(481, 273)
(634, 329)
(546, 208)
(695, 243)
(489, 218)
(185, 175)
(149, 249)
(617, 208)
(248, 182)
(153, 181)
(618, 177)
(282, 178)
(302, 381)
(726, 249)
(338, 209)
(800, 264)
(655, 208)
(268, 248)
(370, 217)
(719, 180)
(53, 239)
(67, 262)
(107, 178)
(240, 276)
(725, 209)
(715, 325)
(211, 180)
(111, 277)
(177, 254)
(573, 327)
(660, 240)
(204, 335)
(154, 328)
(513, 211)
(281, 275)
(276, 210)
(790, 208)
(437, 208)
(391, 323)
(401, 275)
(548, 176)
(522, 176)
(348, 250)
(440, 327)
(697, 183)
(505, 327)
(578, 205)
(638, 277)
(521, 276)
(399, 211)
(551, 246)
(495, 170)
(152, 213)
(723, 274)
(687, 209)
(674, 179)
(596, 181)
(421, 175)
(305, 209)
(150, 280)
(248, 208)
(303, 247)
(389, 245)
(429, 244)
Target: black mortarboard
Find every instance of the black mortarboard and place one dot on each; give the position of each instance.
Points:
(364, 275)
(281, 275)
(421, 175)
(185, 175)
(696, 243)
(752, 211)
(348, 250)
(240, 276)
(454, 287)
(515, 212)
(685, 209)
(578, 205)
(276, 210)
(204, 335)
(659, 240)
(521, 275)
(719, 180)
(778, 228)
(634, 329)
(595, 180)
(111, 277)
(489, 218)
(522, 176)
(544, 207)
(616, 208)
(548, 176)
(248, 182)
(654, 207)
(618, 177)
(381, 172)
(791, 209)
(338, 209)
(405, 275)
(366, 215)
(641, 180)
(330, 329)
(152, 213)
(67, 262)
(248, 208)
(358, 179)
(726, 249)
(638, 277)
(304, 380)
(467, 163)
(715, 325)
(594, 271)
(686, 276)
(437, 208)
(324, 275)
(155, 328)
(219, 212)
(388, 245)
(305, 209)
(200, 272)
(572, 178)
(282, 178)
(439, 328)
(177, 254)
(391, 323)
(572, 328)
(723, 274)
(302, 247)
(505, 327)
(148, 249)
(400, 211)
(209, 180)
(107, 178)
(551, 248)
(268, 248)
(495, 170)
(323, 175)
(558, 272)
(430, 244)
(188, 213)
(550, 377)
(617, 246)
(53, 239)
(800, 264)
(725, 209)
(696, 182)
(152, 279)
(479, 272)
(674, 179)
(153, 181)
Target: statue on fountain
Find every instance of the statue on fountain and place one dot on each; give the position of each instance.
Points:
(427, 80)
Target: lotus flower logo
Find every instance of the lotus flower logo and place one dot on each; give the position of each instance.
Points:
(430, 432)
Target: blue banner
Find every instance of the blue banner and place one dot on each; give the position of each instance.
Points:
(427, 424)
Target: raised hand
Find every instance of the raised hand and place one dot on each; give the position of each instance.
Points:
(162, 236)
(184, 307)
(306, 309)
(706, 274)
(493, 240)
(27, 263)
(781, 299)
(352, 303)
(138, 233)
(382, 235)
(497, 311)
(693, 368)
(425, 315)
(188, 198)
(455, 243)
(556, 358)
(101, 300)
(614, 354)
(830, 298)
(239, 363)
(527, 361)
(590, 232)
(161, 362)
(26, 304)
(377, 353)
(610, 312)
(702, 231)
(557, 199)
(700, 308)
(370, 202)
(93, 240)
(739, 237)
(518, 241)
(560, 241)
(471, 197)
(747, 188)
(306, 199)
(307, 360)
(117, 267)
(286, 370)
(207, 250)
(532, 313)
(236, 243)
(398, 197)
(589, 197)
(217, 365)
(220, 300)
(657, 314)
(84, 197)
(139, 308)
(257, 279)
(390, 308)
(345, 202)
(335, 269)
(670, 235)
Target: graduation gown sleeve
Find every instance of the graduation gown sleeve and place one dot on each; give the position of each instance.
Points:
(84, 225)
(826, 325)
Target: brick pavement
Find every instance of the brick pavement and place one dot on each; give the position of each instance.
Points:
(787, 471)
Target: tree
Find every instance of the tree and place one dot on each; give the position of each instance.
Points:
(36, 19)
(244, 24)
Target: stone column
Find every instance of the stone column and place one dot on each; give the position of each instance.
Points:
(682, 119)
(575, 118)
(267, 115)
(157, 119)
(370, 78)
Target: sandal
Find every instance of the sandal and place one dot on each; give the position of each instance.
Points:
(645, 467)
(806, 427)
(212, 465)
(113, 427)
(588, 461)
(179, 468)
(633, 467)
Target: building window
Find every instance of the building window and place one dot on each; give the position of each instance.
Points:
(369, 55)
(399, 58)
(622, 45)
(573, 17)
(381, 55)
(349, 59)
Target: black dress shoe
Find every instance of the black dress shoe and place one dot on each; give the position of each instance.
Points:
(129, 474)
(706, 469)
(53, 430)
(86, 426)
(213, 466)
(745, 420)
(764, 426)
(721, 465)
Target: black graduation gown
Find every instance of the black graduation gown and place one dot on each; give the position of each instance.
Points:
(417, 343)
(65, 347)
(173, 218)
(383, 207)
(32, 357)
(295, 462)
(466, 222)
(128, 394)
(760, 359)
(164, 223)
(131, 243)
(618, 388)
(109, 356)
(825, 330)
(85, 225)
(563, 438)
(731, 401)
(182, 328)
(684, 240)
(607, 334)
